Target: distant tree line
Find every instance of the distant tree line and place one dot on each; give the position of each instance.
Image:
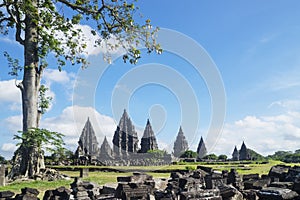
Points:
(286, 156)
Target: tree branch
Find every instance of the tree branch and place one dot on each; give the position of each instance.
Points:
(82, 9)
(18, 25)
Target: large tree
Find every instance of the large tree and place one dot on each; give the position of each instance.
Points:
(53, 26)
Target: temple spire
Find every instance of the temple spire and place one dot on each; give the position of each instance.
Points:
(180, 144)
(201, 150)
(148, 141)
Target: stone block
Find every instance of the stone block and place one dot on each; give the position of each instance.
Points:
(6, 194)
(250, 194)
(250, 176)
(273, 193)
(84, 172)
(2, 175)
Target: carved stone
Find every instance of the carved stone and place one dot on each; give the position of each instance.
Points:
(180, 144)
(88, 141)
(106, 152)
(148, 141)
(125, 139)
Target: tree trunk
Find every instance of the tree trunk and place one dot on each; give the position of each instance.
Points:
(28, 159)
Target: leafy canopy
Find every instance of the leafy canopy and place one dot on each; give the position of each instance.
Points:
(41, 138)
(58, 28)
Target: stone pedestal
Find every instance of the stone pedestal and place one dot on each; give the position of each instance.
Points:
(2, 175)
(84, 172)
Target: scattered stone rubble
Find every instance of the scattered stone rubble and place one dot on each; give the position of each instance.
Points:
(282, 183)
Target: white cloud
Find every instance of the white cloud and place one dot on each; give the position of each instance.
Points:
(56, 76)
(265, 134)
(71, 122)
(286, 104)
(9, 93)
(14, 123)
(9, 147)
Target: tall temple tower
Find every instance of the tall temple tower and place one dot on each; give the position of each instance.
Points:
(125, 139)
(180, 144)
(244, 153)
(201, 150)
(235, 154)
(148, 141)
(88, 140)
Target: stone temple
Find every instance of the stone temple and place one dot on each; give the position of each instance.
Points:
(201, 150)
(180, 144)
(148, 141)
(88, 144)
(242, 154)
(125, 139)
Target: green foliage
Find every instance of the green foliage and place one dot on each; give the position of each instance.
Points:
(58, 32)
(62, 154)
(280, 155)
(41, 138)
(157, 153)
(44, 101)
(211, 157)
(255, 156)
(13, 64)
(222, 157)
(190, 168)
(2, 160)
(189, 154)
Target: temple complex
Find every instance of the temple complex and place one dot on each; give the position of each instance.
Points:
(180, 144)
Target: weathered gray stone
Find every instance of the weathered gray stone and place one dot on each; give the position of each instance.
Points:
(88, 144)
(6, 194)
(229, 192)
(279, 172)
(106, 153)
(256, 184)
(250, 194)
(287, 185)
(180, 144)
(250, 176)
(148, 141)
(125, 139)
(84, 172)
(272, 193)
(2, 175)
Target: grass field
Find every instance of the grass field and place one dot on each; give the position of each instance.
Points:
(102, 178)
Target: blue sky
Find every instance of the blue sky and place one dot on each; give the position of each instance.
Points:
(255, 46)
